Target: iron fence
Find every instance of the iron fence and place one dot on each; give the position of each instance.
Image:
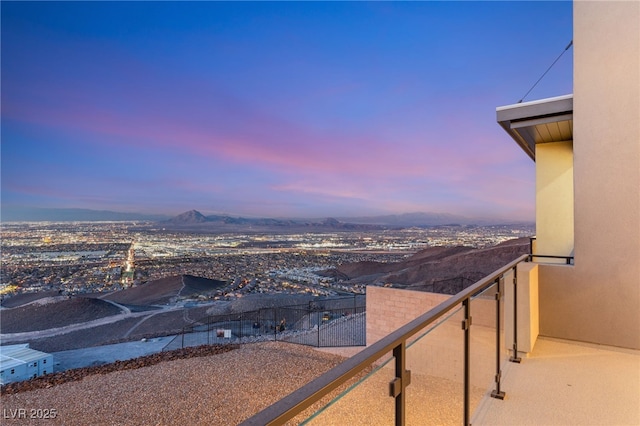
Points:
(325, 323)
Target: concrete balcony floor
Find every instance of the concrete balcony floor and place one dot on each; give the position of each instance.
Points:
(567, 383)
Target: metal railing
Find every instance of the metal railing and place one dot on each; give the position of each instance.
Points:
(396, 342)
(568, 259)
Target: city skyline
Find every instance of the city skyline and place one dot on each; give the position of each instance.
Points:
(274, 109)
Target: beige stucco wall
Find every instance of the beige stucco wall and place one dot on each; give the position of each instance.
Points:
(554, 200)
(441, 352)
(389, 309)
(598, 299)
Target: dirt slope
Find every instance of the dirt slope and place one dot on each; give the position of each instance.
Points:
(165, 290)
(24, 298)
(54, 312)
(439, 269)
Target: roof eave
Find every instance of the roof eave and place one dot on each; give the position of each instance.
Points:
(521, 120)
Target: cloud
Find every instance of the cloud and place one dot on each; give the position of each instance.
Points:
(187, 137)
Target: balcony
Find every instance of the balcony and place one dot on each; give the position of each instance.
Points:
(568, 383)
(461, 363)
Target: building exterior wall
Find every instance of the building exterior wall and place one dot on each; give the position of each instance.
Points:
(598, 299)
(441, 352)
(45, 364)
(554, 200)
(389, 309)
(19, 362)
(528, 321)
(15, 372)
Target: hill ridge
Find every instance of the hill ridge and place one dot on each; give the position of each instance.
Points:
(164, 291)
(437, 269)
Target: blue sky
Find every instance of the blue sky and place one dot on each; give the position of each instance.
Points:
(292, 109)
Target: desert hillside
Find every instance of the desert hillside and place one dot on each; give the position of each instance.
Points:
(437, 269)
(165, 290)
(55, 312)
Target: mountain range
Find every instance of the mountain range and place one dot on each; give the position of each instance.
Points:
(195, 218)
(36, 214)
(406, 220)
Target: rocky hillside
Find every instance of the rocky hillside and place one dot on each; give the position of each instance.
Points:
(55, 312)
(437, 269)
(165, 290)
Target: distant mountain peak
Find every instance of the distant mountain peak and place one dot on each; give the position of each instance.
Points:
(331, 221)
(192, 216)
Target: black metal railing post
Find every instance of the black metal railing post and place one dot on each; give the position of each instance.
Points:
(514, 356)
(497, 393)
(275, 324)
(399, 384)
(531, 239)
(466, 326)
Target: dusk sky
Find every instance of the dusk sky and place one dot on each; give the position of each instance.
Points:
(285, 109)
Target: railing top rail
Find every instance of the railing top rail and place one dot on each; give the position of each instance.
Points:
(294, 403)
(569, 259)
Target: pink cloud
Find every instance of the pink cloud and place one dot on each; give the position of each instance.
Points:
(367, 164)
(264, 141)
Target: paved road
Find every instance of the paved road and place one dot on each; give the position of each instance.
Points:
(32, 335)
(106, 354)
(8, 338)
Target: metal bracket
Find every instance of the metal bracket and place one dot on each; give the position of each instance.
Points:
(498, 290)
(399, 383)
(497, 395)
(466, 324)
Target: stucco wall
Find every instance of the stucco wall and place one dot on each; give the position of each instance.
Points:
(554, 200)
(389, 309)
(598, 300)
(441, 352)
